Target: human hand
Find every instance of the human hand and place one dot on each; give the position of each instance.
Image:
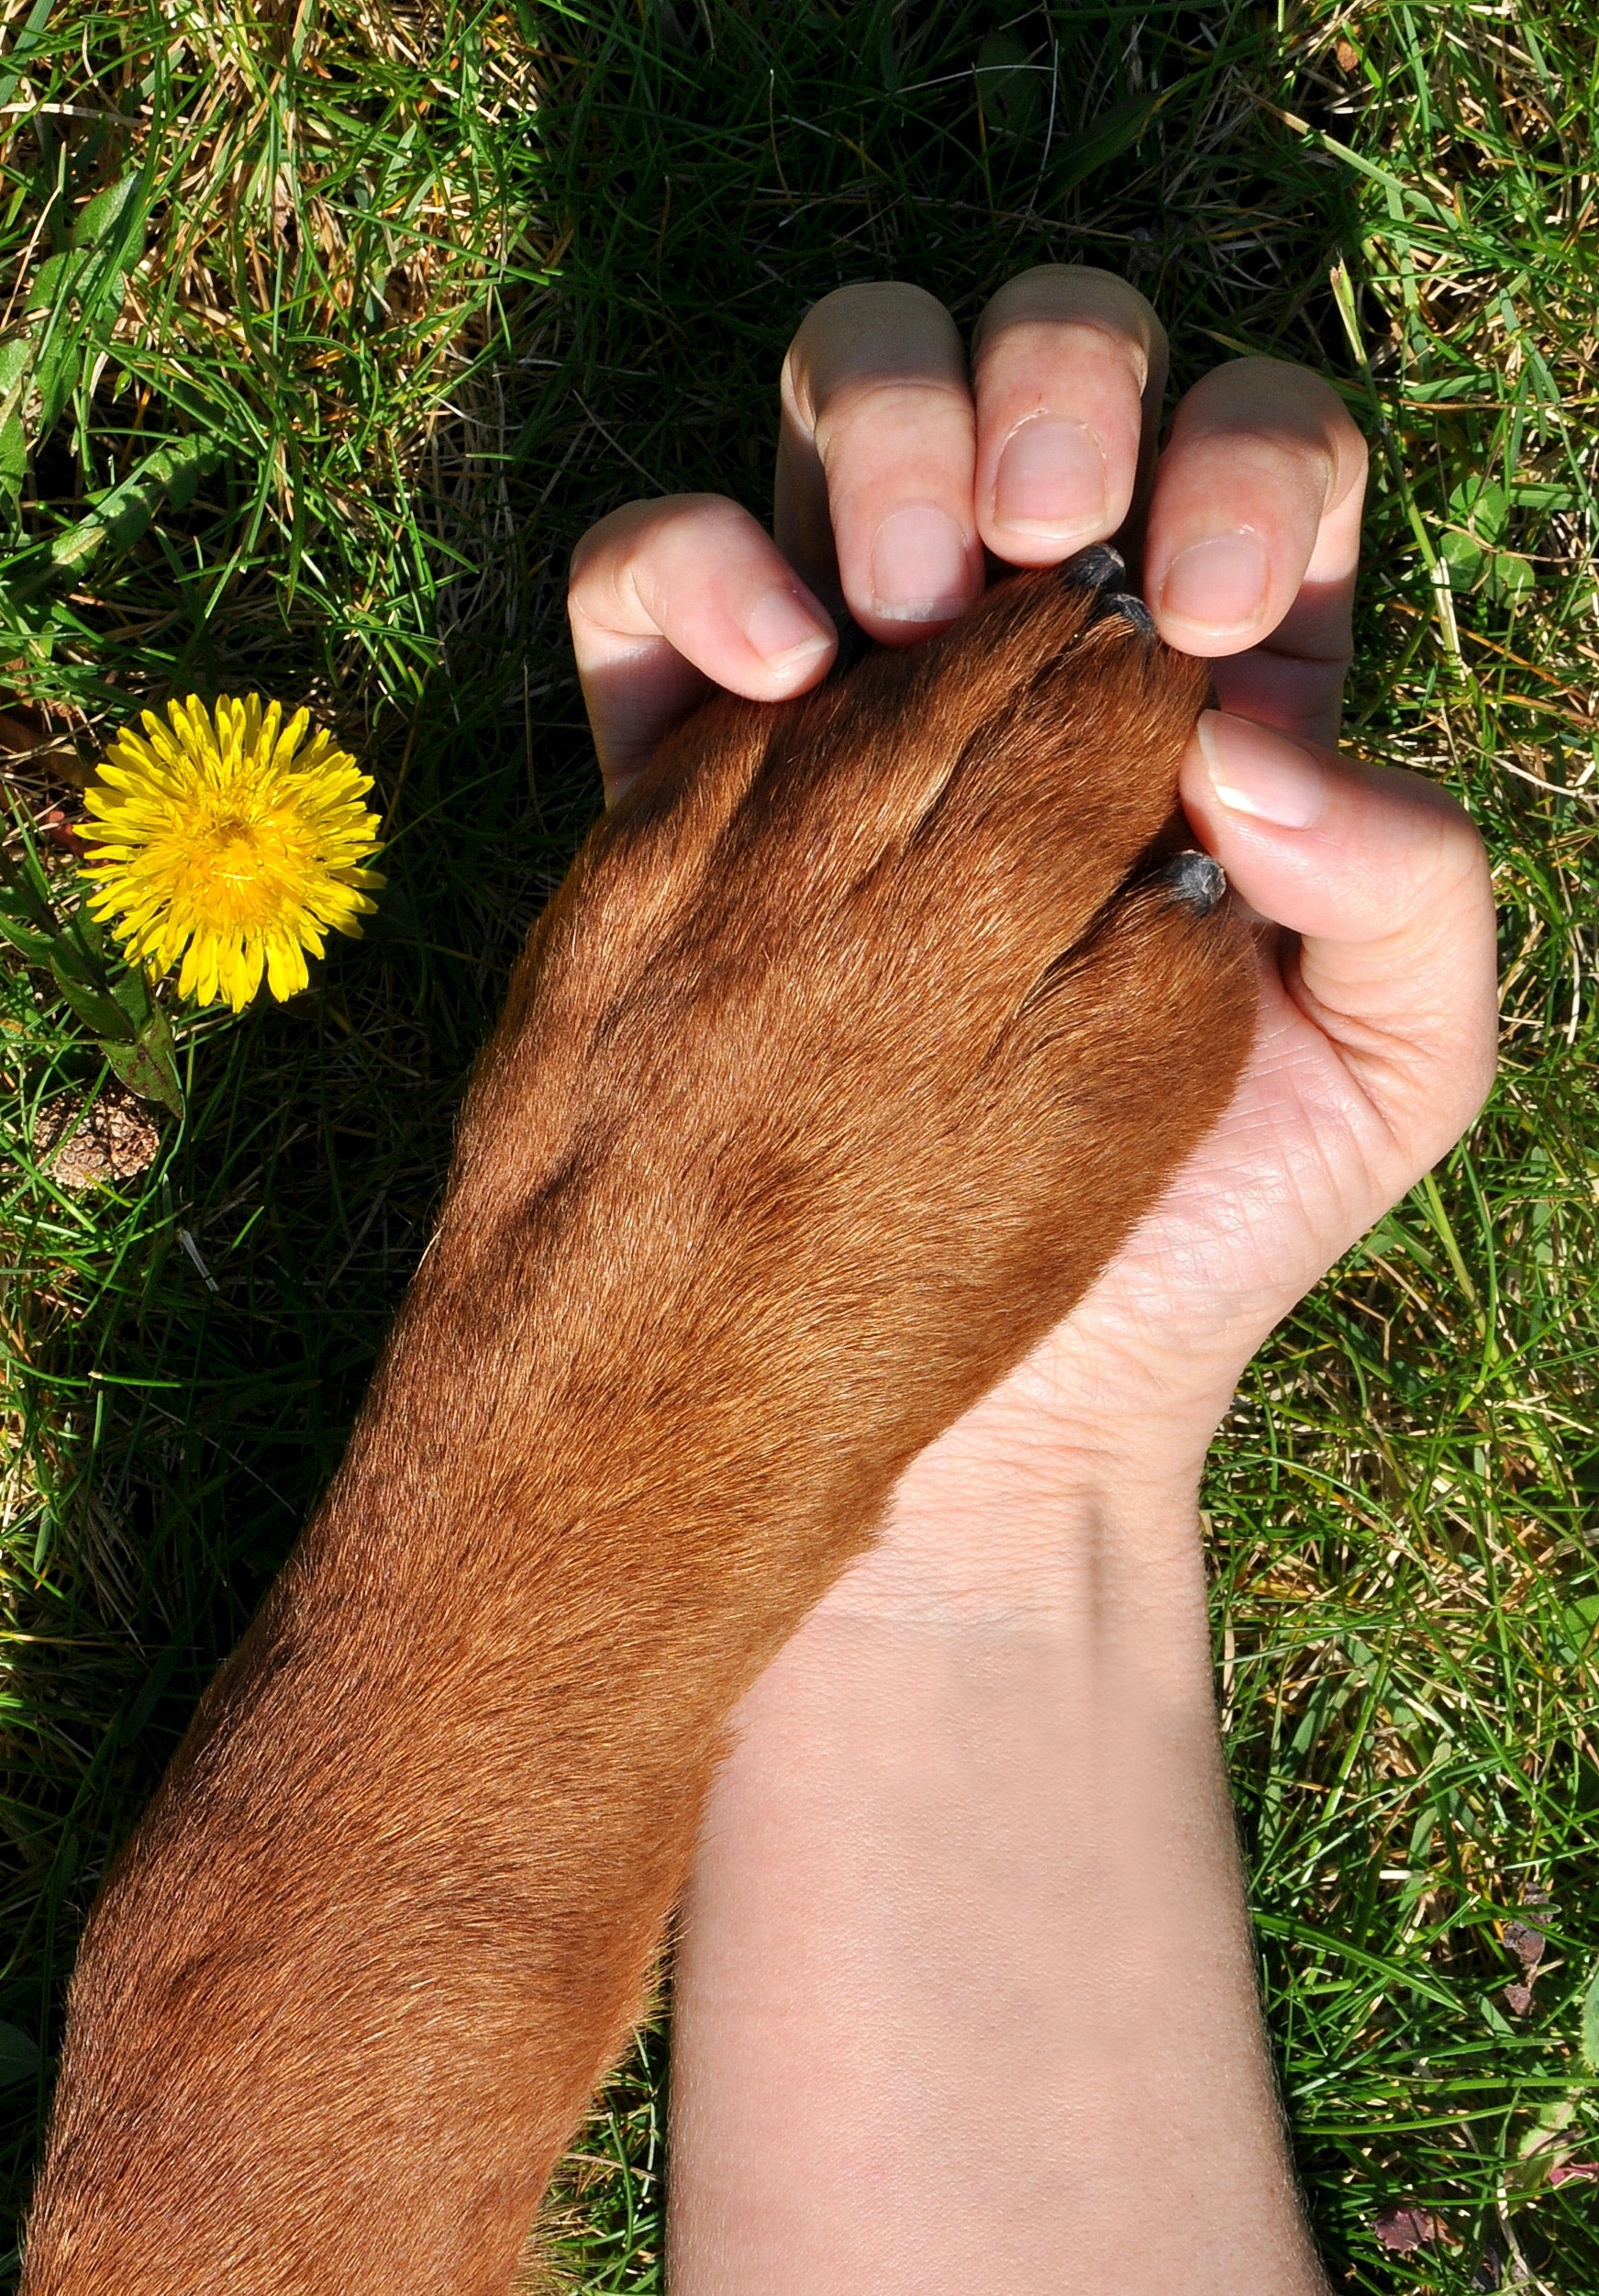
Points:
(1375, 1044)
(887, 2068)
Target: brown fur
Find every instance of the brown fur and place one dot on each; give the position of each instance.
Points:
(849, 1050)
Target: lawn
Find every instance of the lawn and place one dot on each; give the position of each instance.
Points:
(330, 328)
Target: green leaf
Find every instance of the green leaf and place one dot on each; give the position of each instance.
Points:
(1462, 556)
(103, 1013)
(1552, 2121)
(190, 461)
(133, 994)
(176, 471)
(105, 221)
(1590, 2023)
(37, 947)
(1112, 134)
(24, 888)
(148, 1067)
(1583, 1610)
(91, 276)
(48, 280)
(107, 241)
(156, 1036)
(1509, 578)
(20, 2057)
(13, 456)
(89, 932)
(1527, 2178)
(56, 378)
(123, 514)
(1483, 505)
(1009, 84)
(15, 358)
(70, 961)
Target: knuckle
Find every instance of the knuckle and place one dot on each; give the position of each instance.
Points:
(1446, 871)
(881, 325)
(872, 298)
(874, 407)
(1279, 403)
(594, 546)
(1460, 853)
(618, 536)
(1080, 298)
(1256, 394)
(618, 566)
(1464, 1081)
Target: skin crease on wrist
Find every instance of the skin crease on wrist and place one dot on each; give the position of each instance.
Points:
(964, 1989)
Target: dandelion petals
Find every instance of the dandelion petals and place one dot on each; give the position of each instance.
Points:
(224, 839)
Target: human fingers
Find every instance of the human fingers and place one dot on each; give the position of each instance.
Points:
(1384, 879)
(1068, 366)
(668, 598)
(875, 460)
(889, 482)
(1253, 537)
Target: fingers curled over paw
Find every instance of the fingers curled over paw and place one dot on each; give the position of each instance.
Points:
(1254, 524)
(1068, 365)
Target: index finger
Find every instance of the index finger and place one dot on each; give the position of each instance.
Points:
(874, 461)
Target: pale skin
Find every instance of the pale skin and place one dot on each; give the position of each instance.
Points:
(964, 1992)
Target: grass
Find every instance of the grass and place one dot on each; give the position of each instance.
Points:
(358, 315)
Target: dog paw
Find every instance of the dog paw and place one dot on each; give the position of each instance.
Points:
(875, 1020)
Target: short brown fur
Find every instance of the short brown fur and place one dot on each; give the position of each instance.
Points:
(852, 1047)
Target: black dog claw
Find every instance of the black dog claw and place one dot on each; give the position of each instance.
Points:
(1099, 568)
(1197, 881)
(1132, 610)
(1105, 570)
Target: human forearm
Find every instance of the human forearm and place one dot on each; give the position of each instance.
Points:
(965, 1994)
(1374, 1048)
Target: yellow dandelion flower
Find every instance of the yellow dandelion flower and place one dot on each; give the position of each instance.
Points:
(228, 839)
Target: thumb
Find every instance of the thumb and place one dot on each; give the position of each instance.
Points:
(1384, 879)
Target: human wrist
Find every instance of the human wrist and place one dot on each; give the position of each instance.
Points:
(993, 1530)
(931, 1814)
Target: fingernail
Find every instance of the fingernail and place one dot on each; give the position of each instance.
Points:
(1218, 585)
(1257, 771)
(1051, 479)
(784, 628)
(919, 567)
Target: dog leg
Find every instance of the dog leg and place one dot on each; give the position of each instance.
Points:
(858, 1040)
